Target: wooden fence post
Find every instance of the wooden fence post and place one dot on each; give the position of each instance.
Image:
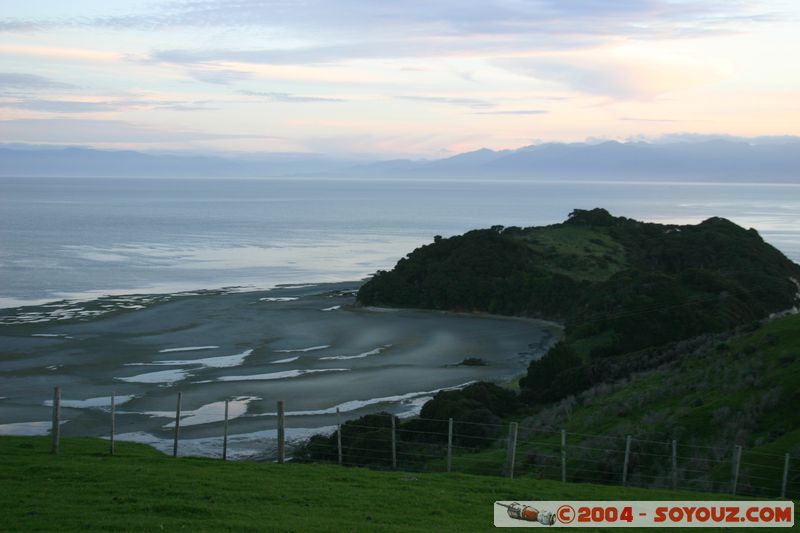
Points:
(177, 427)
(113, 422)
(511, 451)
(56, 430)
(339, 434)
(394, 445)
(281, 433)
(674, 464)
(627, 460)
(785, 475)
(564, 455)
(449, 444)
(225, 434)
(737, 461)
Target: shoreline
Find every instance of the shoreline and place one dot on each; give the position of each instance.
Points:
(94, 295)
(234, 344)
(94, 307)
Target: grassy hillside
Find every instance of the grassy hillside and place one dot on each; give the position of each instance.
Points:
(744, 390)
(575, 251)
(141, 489)
(709, 395)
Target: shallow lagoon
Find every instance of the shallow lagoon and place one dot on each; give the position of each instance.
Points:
(307, 345)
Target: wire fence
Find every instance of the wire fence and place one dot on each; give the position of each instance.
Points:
(382, 441)
(561, 455)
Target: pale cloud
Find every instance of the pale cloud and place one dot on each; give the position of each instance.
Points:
(707, 137)
(343, 75)
(187, 107)
(61, 130)
(281, 56)
(514, 112)
(289, 98)
(422, 17)
(11, 25)
(650, 119)
(60, 106)
(397, 145)
(63, 106)
(614, 73)
(473, 103)
(57, 53)
(22, 81)
(218, 76)
(425, 46)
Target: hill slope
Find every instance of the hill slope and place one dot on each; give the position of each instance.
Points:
(709, 394)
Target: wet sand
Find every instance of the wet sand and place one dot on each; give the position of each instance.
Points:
(308, 345)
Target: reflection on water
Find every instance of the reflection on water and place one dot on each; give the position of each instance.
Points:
(85, 238)
(166, 377)
(206, 414)
(223, 361)
(286, 374)
(356, 360)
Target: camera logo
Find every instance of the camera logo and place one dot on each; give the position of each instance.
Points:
(527, 513)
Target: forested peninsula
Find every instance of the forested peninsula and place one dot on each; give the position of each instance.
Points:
(620, 287)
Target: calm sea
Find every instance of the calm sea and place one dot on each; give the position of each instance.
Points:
(77, 238)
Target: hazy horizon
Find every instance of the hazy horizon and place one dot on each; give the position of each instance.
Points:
(669, 138)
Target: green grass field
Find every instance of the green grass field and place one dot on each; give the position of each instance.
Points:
(140, 489)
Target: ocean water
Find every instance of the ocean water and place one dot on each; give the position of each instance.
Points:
(242, 290)
(81, 238)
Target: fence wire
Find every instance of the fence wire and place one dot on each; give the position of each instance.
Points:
(443, 445)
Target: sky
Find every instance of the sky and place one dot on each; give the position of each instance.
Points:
(392, 79)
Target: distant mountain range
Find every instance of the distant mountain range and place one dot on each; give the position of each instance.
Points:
(718, 160)
(89, 162)
(710, 160)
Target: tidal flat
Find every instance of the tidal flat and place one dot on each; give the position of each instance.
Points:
(308, 345)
